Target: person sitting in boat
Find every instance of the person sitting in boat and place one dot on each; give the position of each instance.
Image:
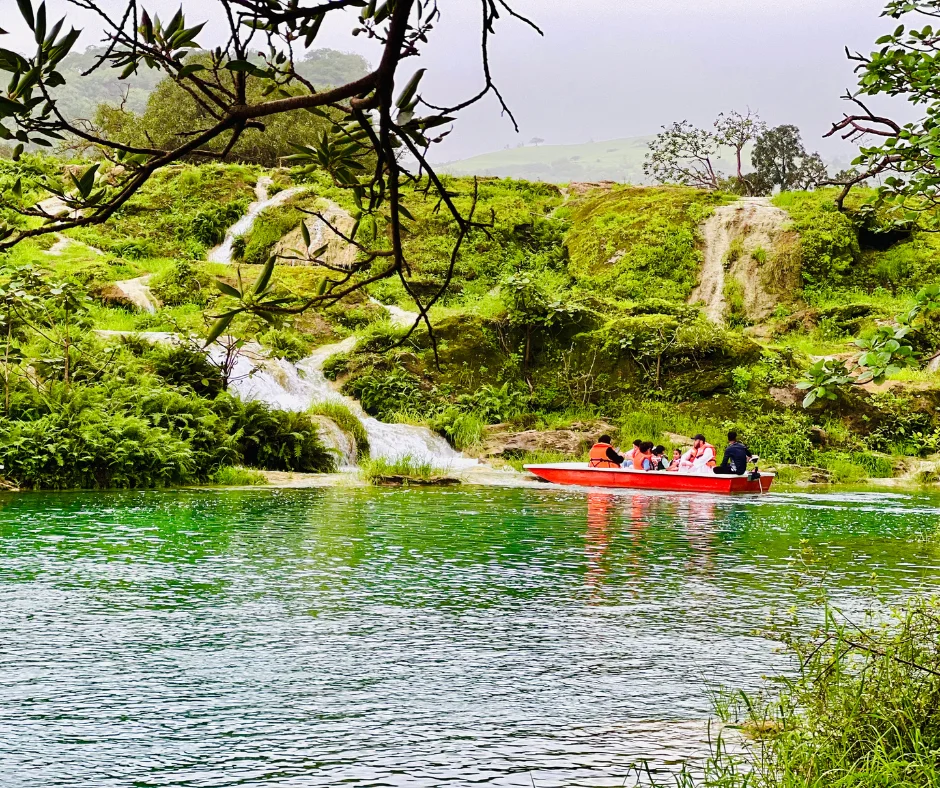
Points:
(628, 456)
(657, 460)
(736, 458)
(603, 454)
(642, 456)
(676, 460)
(701, 457)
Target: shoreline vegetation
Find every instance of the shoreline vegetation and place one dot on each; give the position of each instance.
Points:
(583, 311)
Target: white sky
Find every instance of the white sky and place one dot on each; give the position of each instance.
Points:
(616, 68)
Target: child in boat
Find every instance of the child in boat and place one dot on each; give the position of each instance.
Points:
(657, 460)
(676, 460)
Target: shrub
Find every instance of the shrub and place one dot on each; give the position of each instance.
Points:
(276, 440)
(181, 366)
(336, 365)
(346, 420)
(286, 344)
(93, 450)
(183, 283)
(208, 226)
(384, 394)
(463, 429)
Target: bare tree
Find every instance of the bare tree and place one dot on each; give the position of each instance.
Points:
(683, 154)
(736, 131)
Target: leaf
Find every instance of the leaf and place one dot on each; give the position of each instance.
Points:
(226, 288)
(26, 9)
(239, 65)
(262, 282)
(305, 233)
(192, 68)
(410, 89)
(220, 325)
(809, 399)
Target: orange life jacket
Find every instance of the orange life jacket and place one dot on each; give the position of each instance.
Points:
(638, 458)
(598, 456)
(696, 453)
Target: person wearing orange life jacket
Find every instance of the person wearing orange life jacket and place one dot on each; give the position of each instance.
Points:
(700, 457)
(603, 455)
(641, 457)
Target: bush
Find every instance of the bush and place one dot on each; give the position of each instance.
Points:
(276, 440)
(462, 429)
(286, 344)
(181, 366)
(183, 283)
(384, 394)
(209, 225)
(336, 365)
(93, 450)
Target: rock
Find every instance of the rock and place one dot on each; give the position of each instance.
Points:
(677, 439)
(786, 395)
(509, 444)
(818, 436)
(113, 296)
(396, 480)
(337, 441)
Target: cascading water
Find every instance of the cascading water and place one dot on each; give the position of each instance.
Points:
(223, 252)
(298, 386)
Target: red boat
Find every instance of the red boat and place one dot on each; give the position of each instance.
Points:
(580, 474)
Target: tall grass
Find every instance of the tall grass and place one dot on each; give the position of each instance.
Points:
(378, 469)
(861, 710)
(238, 476)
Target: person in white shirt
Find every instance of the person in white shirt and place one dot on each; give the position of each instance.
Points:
(700, 458)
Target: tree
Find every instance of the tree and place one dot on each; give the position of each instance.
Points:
(683, 154)
(372, 119)
(536, 141)
(906, 156)
(736, 131)
(780, 161)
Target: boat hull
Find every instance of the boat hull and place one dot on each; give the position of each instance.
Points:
(576, 473)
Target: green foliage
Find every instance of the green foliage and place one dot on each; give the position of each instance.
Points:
(277, 440)
(384, 395)
(268, 229)
(286, 343)
(183, 283)
(175, 212)
(462, 428)
(346, 420)
(378, 469)
(336, 365)
(237, 476)
(633, 243)
(181, 366)
(781, 436)
(780, 161)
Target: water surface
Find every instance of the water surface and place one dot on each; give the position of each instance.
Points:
(406, 638)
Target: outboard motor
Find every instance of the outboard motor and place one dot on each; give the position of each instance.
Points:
(754, 475)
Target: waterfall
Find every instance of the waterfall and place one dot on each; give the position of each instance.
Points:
(298, 386)
(223, 252)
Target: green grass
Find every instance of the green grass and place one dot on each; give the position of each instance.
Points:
(346, 420)
(237, 476)
(377, 469)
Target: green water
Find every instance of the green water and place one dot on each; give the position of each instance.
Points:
(404, 638)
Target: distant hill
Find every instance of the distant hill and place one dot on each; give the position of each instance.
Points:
(81, 95)
(613, 160)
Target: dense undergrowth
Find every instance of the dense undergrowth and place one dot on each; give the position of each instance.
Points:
(571, 309)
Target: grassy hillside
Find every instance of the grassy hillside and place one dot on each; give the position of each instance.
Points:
(571, 309)
(619, 160)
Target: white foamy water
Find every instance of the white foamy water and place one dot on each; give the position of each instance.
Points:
(223, 252)
(298, 386)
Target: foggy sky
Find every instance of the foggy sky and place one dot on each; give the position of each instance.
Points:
(607, 68)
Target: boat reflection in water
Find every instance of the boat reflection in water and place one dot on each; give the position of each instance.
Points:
(611, 517)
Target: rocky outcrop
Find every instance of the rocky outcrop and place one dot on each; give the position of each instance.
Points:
(501, 441)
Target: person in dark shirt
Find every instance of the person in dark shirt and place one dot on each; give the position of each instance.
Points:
(736, 456)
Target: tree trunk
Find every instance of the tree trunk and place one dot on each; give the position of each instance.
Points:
(6, 367)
